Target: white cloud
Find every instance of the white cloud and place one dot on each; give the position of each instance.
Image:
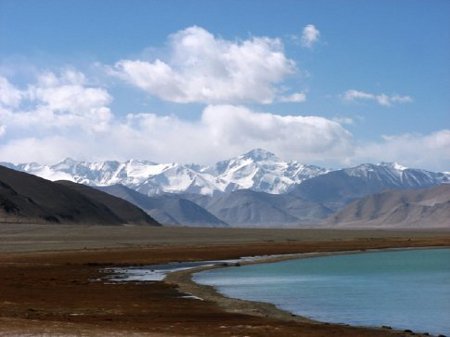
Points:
(47, 149)
(201, 67)
(306, 138)
(226, 130)
(65, 116)
(61, 124)
(400, 99)
(10, 96)
(310, 36)
(297, 97)
(59, 102)
(344, 120)
(68, 93)
(381, 99)
(413, 150)
(351, 95)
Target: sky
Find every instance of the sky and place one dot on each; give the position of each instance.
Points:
(331, 83)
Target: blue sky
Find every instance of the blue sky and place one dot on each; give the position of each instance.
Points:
(334, 83)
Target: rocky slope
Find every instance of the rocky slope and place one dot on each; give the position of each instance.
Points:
(27, 198)
(337, 188)
(246, 208)
(170, 210)
(426, 208)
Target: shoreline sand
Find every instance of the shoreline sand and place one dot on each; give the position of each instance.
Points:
(50, 291)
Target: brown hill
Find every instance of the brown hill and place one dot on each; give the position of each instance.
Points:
(27, 198)
(427, 208)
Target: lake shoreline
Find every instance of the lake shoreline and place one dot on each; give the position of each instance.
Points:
(184, 280)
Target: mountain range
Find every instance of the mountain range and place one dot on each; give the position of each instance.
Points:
(337, 188)
(25, 198)
(167, 209)
(258, 170)
(428, 207)
(254, 189)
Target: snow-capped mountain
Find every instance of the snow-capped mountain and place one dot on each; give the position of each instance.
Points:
(258, 170)
(394, 175)
(336, 188)
(261, 189)
(263, 171)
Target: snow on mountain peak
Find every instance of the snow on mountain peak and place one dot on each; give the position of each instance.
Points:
(367, 168)
(258, 169)
(395, 175)
(394, 165)
(260, 155)
(66, 163)
(261, 170)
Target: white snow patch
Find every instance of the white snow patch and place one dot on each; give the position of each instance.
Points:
(49, 174)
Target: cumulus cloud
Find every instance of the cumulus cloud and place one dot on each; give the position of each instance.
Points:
(43, 149)
(344, 120)
(310, 36)
(381, 99)
(62, 115)
(297, 97)
(306, 137)
(201, 67)
(65, 115)
(58, 101)
(10, 96)
(226, 130)
(68, 93)
(413, 150)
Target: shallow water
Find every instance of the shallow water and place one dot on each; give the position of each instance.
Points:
(158, 272)
(407, 289)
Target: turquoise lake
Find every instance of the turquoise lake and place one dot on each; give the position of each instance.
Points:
(408, 289)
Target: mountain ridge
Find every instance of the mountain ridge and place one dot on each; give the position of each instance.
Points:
(170, 210)
(428, 207)
(337, 188)
(254, 189)
(27, 198)
(258, 170)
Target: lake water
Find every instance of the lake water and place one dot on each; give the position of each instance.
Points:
(407, 289)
